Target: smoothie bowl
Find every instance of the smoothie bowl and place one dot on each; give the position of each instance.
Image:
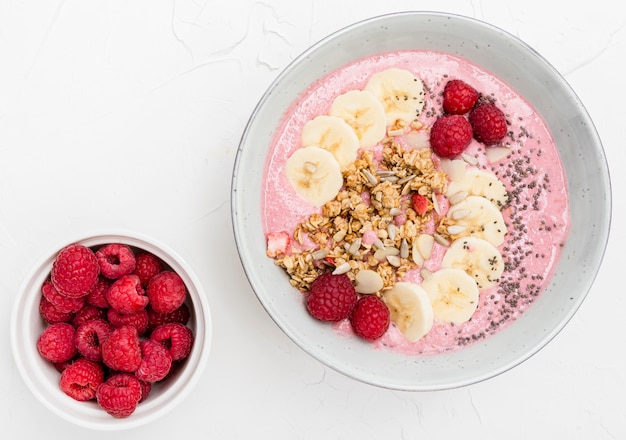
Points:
(420, 201)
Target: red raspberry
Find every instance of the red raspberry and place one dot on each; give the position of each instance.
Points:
(488, 123)
(450, 135)
(56, 342)
(97, 296)
(166, 291)
(61, 366)
(420, 203)
(331, 297)
(119, 395)
(115, 260)
(155, 319)
(90, 336)
(458, 97)
(148, 265)
(126, 295)
(75, 271)
(146, 388)
(120, 351)
(138, 319)
(177, 338)
(155, 362)
(370, 317)
(88, 313)
(51, 314)
(62, 303)
(81, 379)
(176, 365)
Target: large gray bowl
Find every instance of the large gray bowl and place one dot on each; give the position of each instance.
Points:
(580, 149)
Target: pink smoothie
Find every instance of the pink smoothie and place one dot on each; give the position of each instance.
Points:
(537, 218)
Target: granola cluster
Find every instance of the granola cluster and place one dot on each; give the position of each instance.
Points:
(371, 223)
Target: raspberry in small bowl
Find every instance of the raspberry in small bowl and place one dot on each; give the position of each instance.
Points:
(97, 345)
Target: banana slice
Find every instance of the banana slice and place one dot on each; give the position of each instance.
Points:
(401, 93)
(477, 182)
(333, 134)
(453, 295)
(314, 174)
(476, 216)
(364, 113)
(410, 309)
(478, 258)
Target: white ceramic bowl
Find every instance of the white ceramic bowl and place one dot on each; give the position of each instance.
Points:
(580, 149)
(43, 379)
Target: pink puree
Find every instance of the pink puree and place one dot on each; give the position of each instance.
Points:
(537, 220)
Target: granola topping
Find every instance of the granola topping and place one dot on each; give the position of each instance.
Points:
(371, 223)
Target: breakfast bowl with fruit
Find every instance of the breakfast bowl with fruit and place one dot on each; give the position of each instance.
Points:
(111, 331)
(420, 201)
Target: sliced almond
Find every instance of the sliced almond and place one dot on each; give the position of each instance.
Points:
(424, 245)
(496, 154)
(368, 282)
(454, 168)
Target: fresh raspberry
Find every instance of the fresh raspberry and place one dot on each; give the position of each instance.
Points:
(148, 265)
(146, 388)
(176, 366)
(120, 351)
(81, 379)
(115, 260)
(62, 303)
(177, 338)
(56, 342)
(450, 135)
(488, 124)
(75, 271)
(119, 395)
(331, 297)
(155, 361)
(88, 313)
(51, 314)
(155, 319)
(61, 366)
(370, 318)
(458, 97)
(90, 336)
(138, 319)
(420, 203)
(97, 296)
(166, 291)
(126, 295)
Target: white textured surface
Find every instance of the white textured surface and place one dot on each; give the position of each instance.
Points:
(128, 114)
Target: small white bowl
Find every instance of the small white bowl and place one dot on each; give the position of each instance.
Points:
(581, 153)
(42, 378)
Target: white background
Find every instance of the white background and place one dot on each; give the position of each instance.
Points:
(127, 114)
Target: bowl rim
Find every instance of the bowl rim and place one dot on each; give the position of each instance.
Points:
(151, 410)
(238, 220)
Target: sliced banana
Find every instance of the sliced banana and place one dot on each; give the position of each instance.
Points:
(364, 113)
(333, 134)
(476, 216)
(478, 258)
(453, 295)
(314, 174)
(477, 182)
(401, 93)
(410, 309)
